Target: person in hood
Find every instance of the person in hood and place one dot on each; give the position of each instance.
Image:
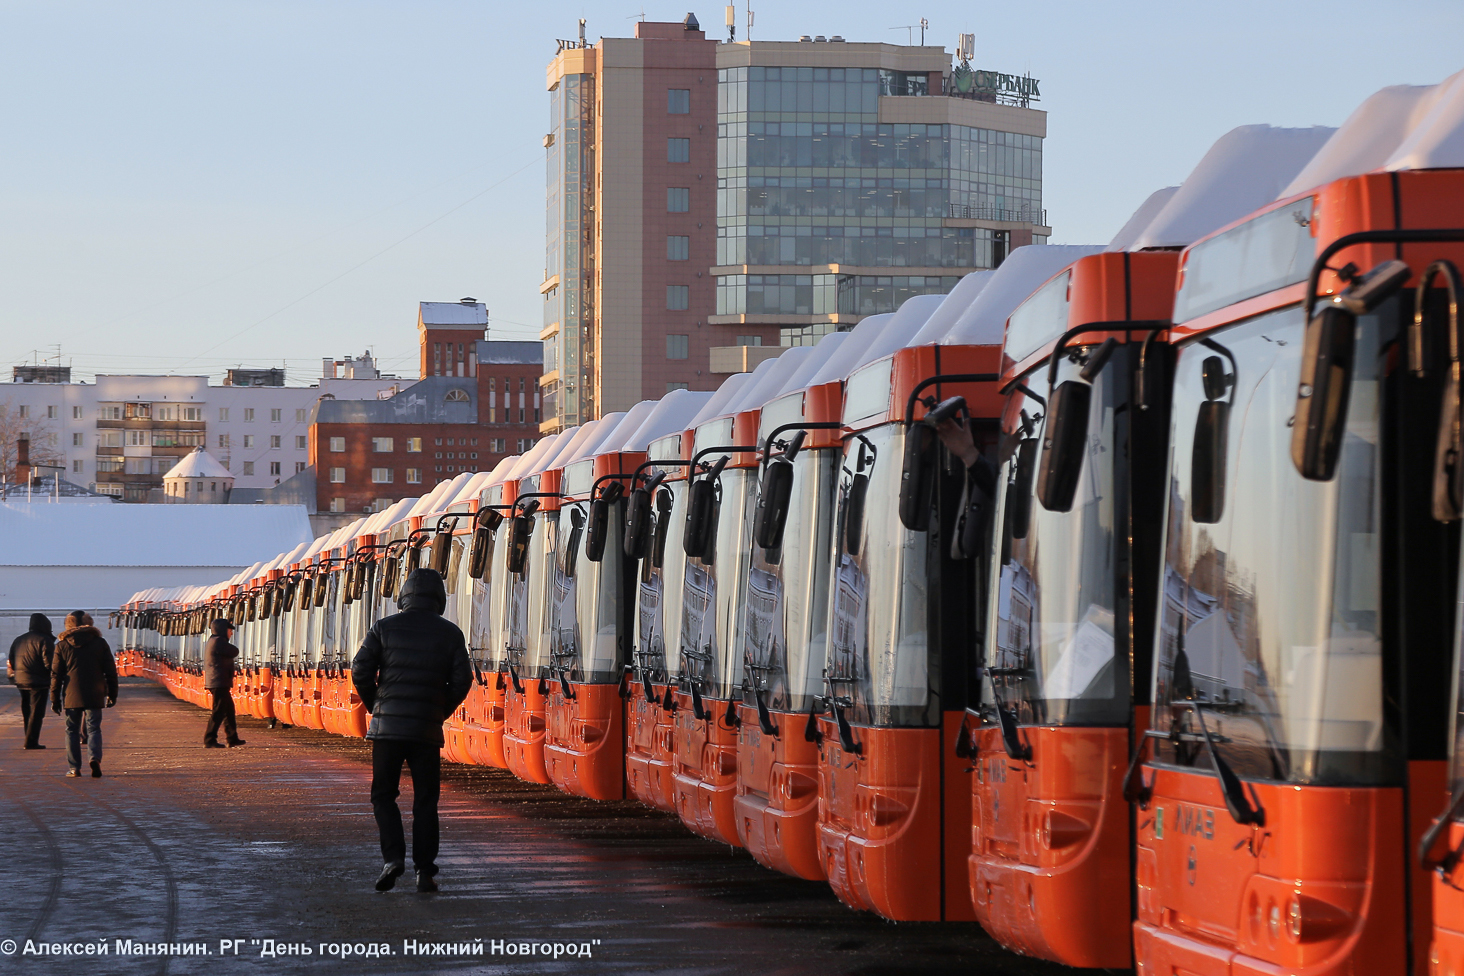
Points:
(411, 672)
(218, 679)
(29, 667)
(85, 674)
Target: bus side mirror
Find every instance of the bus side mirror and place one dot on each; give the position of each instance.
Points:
(701, 510)
(772, 504)
(414, 557)
(597, 532)
(307, 591)
(289, 603)
(1207, 455)
(519, 531)
(664, 501)
(441, 553)
(322, 590)
(922, 455)
(638, 524)
(569, 552)
(1019, 494)
(359, 586)
(1064, 441)
(389, 567)
(1323, 392)
(854, 513)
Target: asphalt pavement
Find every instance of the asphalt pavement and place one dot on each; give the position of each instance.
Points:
(239, 851)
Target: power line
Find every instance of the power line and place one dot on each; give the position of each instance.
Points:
(373, 257)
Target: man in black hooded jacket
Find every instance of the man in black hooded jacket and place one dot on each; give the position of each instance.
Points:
(29, 667)
(218, 678)
(411, 672)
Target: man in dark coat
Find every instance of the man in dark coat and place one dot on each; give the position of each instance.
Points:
(84, 671)
(411, 672)
(218, 679)
(29, 666)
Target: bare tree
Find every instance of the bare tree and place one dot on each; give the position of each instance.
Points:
(45, 443)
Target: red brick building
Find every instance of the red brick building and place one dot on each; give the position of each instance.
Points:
(476, 403)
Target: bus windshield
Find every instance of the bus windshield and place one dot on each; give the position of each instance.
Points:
(784, 628)
(657, 615)
(597, 605)
(1269, 628)
(1050, 657)
(711, 594)
(879, 654)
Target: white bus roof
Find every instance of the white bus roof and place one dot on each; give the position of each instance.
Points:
(1022, 273)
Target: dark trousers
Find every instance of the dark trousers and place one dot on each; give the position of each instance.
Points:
(32, 711)
(222, 714)
(425, 761)
(76, 718)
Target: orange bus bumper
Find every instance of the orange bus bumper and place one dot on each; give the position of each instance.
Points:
(584, 747)
(776, 803)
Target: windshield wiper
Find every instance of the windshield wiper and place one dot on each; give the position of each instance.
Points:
(1006, 718)
(1241, 808)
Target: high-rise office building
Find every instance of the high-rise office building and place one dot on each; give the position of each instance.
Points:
(853, 176)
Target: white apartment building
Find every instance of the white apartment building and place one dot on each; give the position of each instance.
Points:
(119, 435)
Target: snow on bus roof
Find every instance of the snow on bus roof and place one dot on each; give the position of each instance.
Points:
(1022, 273)
(823, 351)
(909, 319)
(626, 428)
(769, 383)
(956, 301)
(1244, 170)
(669, 415)
(574, 445)
(1142, 217)
(529, 460)
(147, 535)
(1396, 128)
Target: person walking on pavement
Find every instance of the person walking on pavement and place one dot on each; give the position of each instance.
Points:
(411, 672)
(29, 667)
(218, 679)
(84, 671)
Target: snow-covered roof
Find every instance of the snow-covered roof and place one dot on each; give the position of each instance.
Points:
(530, 461)
(823, 351)
(571, 444)
(1400, 127)
(627, 427)
(198, 463)
(713, 404)
(669, 415)
(1243, 171)
(768, 383)
(956, 302)
(1022, 273)
(908, 320)
(148, 535)
(453, 313)
(1142, 217)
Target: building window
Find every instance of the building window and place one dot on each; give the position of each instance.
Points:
(678, 101)
(677, 346)
(51, 413)
(224, 441)
(753, 340)
(248, 441)
(678, 248)
(678, 199)
(337, 444)
(274, 442)
(275, 416)
(414, 445)
(678, 150)
(337, 476)
(381, 476)
(525, 443)
(274, 467)
(75, 413)
(300, 466)
(301, 416)
(381, 445)
(24, 411)
(301, 442)
(677, 297)
(337, 504)
(223, 415)
(249, 415)
(414, 476)
(76, 466)
(76, 440)
(676, 386)
(456, 396)
(248, 467)
(497, 445)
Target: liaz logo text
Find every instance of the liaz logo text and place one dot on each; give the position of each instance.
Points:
(1186, 819)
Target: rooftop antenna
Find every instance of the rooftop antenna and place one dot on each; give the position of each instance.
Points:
(749, 24)
(731, 23)
(907, 28)
(582, 31)
(640, 16)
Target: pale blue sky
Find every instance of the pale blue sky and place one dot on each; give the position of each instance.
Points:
(185, 186)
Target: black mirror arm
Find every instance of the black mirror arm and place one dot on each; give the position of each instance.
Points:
(518, 501)
(943, 378)
(443, 519)
(1455, 287)
(771, 440)
(734, 448)
(606, 478)
(1122, 325)
(1422, 236)
(1436, 829)
(640, 471)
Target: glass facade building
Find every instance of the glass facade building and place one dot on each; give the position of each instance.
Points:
(569, 250)
(809, 177)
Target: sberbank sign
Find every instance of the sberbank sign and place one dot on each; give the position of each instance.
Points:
(996, 82)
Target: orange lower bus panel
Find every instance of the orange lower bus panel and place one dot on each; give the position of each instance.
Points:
(486, 741)
(305, 702)
(1319, 889)
(1446, 954)
(1050, 841)
(523, 731)
(281, 691)
(704, 773)
(648, 749)
(584, 743)
(880, 819)
(776, 802)
(354, 719)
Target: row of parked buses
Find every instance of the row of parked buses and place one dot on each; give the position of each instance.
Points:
(1178, 692)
